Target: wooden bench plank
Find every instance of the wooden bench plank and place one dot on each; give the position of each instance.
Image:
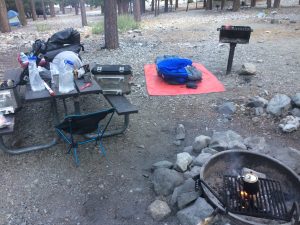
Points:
(121, 104)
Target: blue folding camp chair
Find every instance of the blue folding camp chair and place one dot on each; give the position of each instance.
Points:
(84, 124)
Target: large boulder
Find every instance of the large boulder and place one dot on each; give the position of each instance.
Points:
(279, 104)
(196, 213)
(201, 159)
(221, 141)
(255, 143)
(296, 100)
(162, 164)
(165, 180)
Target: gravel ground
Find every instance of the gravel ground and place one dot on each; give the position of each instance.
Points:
(46, 188)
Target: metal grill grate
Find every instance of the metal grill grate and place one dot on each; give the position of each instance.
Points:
(268, 203)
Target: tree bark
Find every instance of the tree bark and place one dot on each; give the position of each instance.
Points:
(110, 24)
(44, 10)
(269, 4)
(33, 12)
(83, 13)
(20, 8)
(166, 6)
(276, 4)
(52, 9)
(253, 3)
(236, 5)
(4, 23)
(176, 4)
(137, 10)
(152, 5)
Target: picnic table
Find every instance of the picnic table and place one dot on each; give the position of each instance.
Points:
(121, 104)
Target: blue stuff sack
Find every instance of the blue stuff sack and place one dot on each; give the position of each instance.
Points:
(173, 69)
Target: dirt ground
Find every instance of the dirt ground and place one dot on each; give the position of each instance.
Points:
(45, 187)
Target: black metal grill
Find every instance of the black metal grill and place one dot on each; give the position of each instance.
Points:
(268, 203)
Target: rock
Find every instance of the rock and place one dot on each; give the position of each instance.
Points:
(278, 104)
(237, 145)
(165, 180)
(274, 21)
(180, 132)
(227, 108)
(248, 69)
(293, 21)
(257, 102)
(209, 150)
(196, 213)
(185, 194)
(259, 111)
(188, 149)
(159, 210)
(296, 99)
(255, 119)
(296, 112)
(162, 164)
(201, 159)
(220, 141)
(289, 124)
(186, 198)
(184, 159)
(177, 142)
(200, 142)
(255, 143)
(193, 172)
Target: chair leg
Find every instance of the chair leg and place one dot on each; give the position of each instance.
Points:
(101, 147)
(76, 156)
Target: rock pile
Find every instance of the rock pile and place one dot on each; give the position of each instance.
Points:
(173, 183)
(281, 106)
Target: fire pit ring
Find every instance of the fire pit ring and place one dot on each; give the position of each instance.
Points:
(231, 162)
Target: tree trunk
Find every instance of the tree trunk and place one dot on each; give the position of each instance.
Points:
(4, 23)
(76, 9)
(20, 8)
(236, 5)
(269, 4)
(253, 3)
(120, 8)
(110, 24)
(33, 12)
(44, 10)
(209, 5)
(166, 6)
(143, 6)
(83, 13)
(102, 8)
(52, 9)
(158, 5)
(137, 10)
(125, 6)
(276, 4)
(222, 4)
(152, 5)
(62, 7)
(176, 4)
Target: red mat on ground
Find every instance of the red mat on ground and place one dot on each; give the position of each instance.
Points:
(157, 86)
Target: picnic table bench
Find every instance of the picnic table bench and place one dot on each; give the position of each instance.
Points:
(121, 104)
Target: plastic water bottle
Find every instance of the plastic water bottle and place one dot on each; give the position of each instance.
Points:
(36, 82)
(66, 78)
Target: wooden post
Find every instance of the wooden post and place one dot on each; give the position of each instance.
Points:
(83, 13)
(20, 8)
(4, 23)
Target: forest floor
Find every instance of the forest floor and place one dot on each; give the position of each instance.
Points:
(45, 187)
